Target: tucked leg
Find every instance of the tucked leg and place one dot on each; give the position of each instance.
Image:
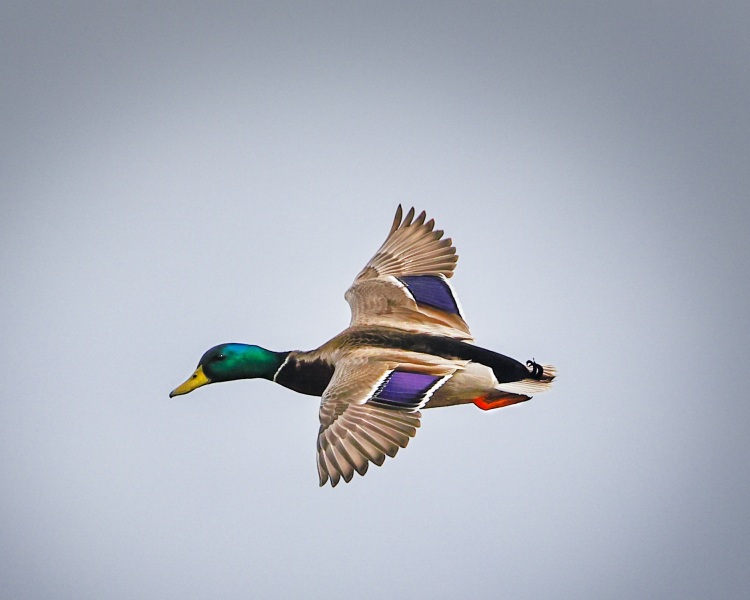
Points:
(499, 400)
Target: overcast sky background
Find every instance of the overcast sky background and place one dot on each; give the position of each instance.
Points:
(177, 175)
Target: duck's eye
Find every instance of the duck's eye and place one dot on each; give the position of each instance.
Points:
(220, 357)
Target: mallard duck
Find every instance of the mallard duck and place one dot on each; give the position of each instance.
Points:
(407, 347)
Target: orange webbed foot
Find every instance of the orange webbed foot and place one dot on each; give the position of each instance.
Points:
(499, 400)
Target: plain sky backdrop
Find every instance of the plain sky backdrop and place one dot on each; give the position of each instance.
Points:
(175, 175)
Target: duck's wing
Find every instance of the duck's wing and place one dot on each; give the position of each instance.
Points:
(370, 409)
(405, 285)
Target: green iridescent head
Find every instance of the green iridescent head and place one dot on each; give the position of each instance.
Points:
(227, 362)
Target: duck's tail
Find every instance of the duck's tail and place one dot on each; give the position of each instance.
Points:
(541, 372)
(539, 380)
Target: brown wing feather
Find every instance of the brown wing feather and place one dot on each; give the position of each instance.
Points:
(353, 432)
(412, 247)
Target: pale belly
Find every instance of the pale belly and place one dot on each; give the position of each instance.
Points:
(472, 382)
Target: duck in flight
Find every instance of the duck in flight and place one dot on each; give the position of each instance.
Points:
(407, 348)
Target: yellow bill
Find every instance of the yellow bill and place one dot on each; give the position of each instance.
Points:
(196, 380)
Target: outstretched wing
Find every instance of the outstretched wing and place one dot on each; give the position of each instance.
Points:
(370, 409)
(405, 285)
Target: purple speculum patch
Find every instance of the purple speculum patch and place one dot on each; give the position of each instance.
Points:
(405, 388)
(430, 290)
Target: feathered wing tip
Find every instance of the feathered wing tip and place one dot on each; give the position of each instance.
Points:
(413, 247)
(339, 464)
(397, 219)
(351, 436)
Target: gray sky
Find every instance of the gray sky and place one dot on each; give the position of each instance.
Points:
(176, 176)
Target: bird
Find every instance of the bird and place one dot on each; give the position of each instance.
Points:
(407, 348)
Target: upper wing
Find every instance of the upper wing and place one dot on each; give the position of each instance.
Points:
(370, 410)
(405, 285)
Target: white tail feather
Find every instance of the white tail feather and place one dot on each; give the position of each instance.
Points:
(531, 386)
(549, 372)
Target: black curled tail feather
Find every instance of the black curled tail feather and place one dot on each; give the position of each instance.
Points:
(540, 372)
(536, 369)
